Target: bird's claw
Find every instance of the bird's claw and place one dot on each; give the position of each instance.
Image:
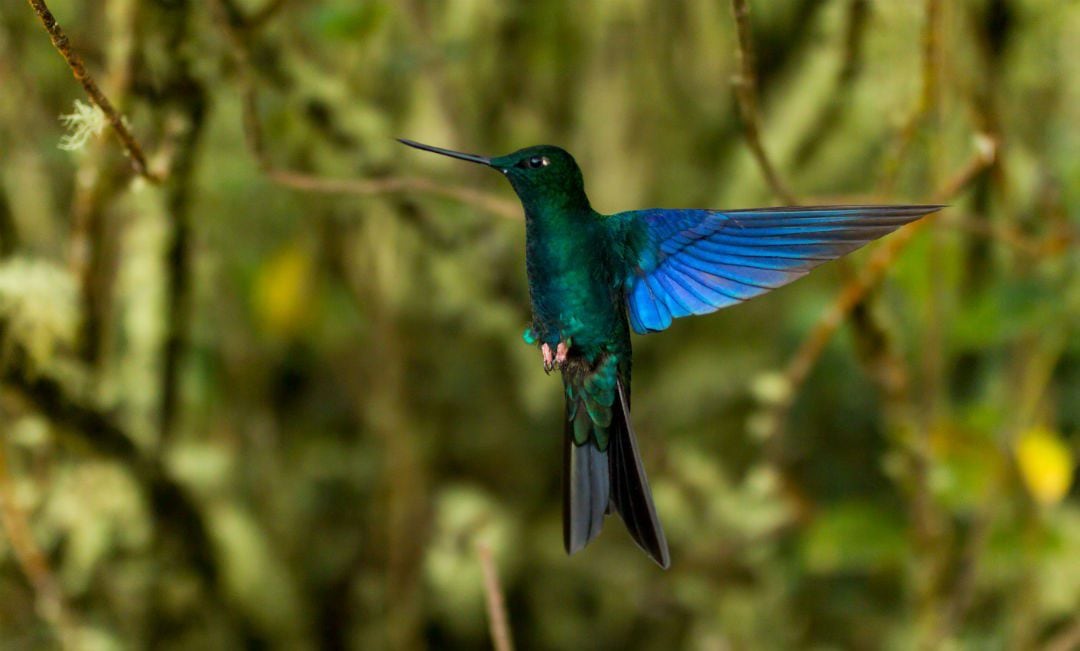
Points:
(560, 354)
(556, 360)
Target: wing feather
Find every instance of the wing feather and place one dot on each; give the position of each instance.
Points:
(699, 261)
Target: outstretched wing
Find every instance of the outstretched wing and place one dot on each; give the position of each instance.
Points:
(698, 261)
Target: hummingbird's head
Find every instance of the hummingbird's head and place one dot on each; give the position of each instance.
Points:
(543, 175)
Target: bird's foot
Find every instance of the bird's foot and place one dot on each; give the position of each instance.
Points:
(560, 353)
(557, 359)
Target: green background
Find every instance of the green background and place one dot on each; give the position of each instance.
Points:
(248, 406)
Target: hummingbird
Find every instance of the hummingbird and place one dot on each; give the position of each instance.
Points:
(593, 278)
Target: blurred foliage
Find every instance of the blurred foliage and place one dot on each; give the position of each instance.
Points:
(238, 413)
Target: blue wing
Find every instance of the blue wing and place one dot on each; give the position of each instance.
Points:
(698, 261)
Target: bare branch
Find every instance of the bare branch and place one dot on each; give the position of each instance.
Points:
(498, 621)
(745, 83)
(396, 185)
(116, 121)
(1053, 243)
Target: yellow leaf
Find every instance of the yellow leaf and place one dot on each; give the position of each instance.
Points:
(1046, 464)
(282, 292)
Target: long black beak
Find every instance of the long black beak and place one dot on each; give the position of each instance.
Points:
(472, 158)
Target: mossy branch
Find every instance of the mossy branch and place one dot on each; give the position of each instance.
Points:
(82, 75)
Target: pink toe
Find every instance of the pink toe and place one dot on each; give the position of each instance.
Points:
(561, 352)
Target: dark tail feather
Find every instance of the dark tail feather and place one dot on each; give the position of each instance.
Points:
(595, 481)
(585, 488)
(630, 488)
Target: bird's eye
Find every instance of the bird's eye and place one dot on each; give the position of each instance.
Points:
(536, 162)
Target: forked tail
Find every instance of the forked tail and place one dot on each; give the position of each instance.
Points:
(596, 480)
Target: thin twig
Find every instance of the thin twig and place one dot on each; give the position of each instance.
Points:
(1051, 244)
(116, 121)
(396, 185)
(745, 83)
(498, 622)
(306, 182)
(48, 596)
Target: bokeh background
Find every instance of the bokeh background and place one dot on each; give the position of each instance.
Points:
(273, 394)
